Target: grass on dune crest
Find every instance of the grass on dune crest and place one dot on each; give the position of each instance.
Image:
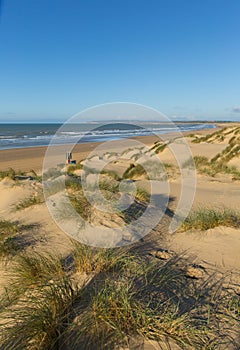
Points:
(219, 163)
(7, 227)
(212, 167)
(30, 201)
(13, 174)
(206, 218)
(73, 167)
(111, 173)
(134, 170)
(127, 297)
(159, 146)
(219, 135)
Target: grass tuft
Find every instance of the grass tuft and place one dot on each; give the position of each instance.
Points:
(88, 259)
(206, 218)
(30, 201)
(131, 298)
(38, 319)
(8, 238)
(134, 171)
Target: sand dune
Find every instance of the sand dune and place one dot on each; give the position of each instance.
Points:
(214, 250)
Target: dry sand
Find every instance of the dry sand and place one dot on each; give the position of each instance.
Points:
(218, 248)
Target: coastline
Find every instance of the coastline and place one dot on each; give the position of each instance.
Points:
(31, 158)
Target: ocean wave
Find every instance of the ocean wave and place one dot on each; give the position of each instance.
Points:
(44, 138)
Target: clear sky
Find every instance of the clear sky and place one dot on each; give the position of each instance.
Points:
(58, 57)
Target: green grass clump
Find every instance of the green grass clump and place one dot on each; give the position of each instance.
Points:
(51, 173)
(73, 184)
(7, 228)
(197, 161)
(159, 146)
(206, 218)
(30, 271)
(112, 174)
(71, 168)
(142, 195)
(30, 201)
(38, 319)
(128, 297)
(234, 307)
(217, 135)
(133, 171)
(200, 161)
(8, 238)
(109, 185)
(35, 268)
(11, 173)
(95, 260)
(144, 304)
(81, 205)
(214, 166)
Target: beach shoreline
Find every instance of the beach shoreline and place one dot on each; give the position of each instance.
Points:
(31, 158)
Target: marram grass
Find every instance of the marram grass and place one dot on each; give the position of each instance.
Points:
(206, 218)
(8, 238)
(120, 303)
(30, 201)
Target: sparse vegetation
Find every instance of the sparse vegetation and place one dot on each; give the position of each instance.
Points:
(8, 238)
(81, 204)
(14, 174)
(159, 146)
(71, 168)
(112, 174)
(142, 195)
(208, 137)
(206, 218)
(52, 173)
(134, 170)
(212, 167)
(30, 201)
(8, 173)
(103, 298)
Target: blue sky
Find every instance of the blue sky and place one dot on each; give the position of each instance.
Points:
(58, 57)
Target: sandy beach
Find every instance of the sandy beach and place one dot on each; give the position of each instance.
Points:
(26, 159)
(220, 190)
(204, 252)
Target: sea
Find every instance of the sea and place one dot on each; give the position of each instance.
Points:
(34, 135)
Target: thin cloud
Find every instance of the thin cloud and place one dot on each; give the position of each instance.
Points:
(8, 113)
(235, 110)
(179, 107)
